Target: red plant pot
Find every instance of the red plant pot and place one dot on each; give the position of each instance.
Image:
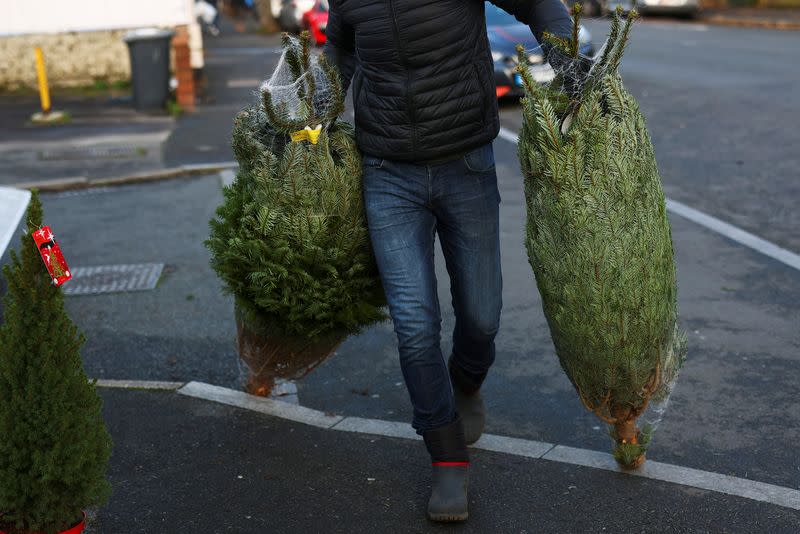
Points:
(76, 529)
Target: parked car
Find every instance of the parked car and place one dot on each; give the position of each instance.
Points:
(683, 8)
(291, 17)
(315, 21)
(504, 33)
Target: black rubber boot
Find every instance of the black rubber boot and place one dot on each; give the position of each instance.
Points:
(473, 414)
(469, 404)
(450, 480)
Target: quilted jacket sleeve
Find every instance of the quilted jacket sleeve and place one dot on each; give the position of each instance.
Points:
(540, 15)
(340, 44)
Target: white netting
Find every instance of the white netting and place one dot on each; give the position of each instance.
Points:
(302, 92)
(570, 72)
(659, 402)
(299, 90)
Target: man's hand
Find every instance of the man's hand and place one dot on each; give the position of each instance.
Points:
(574, 71)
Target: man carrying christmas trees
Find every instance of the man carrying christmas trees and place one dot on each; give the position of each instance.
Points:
(425, 116)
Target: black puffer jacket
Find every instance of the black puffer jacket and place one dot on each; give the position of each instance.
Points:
(422, 72)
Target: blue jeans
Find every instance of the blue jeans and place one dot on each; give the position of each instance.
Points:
(406, 204)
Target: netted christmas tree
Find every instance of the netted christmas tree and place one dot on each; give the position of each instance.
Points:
(598, 237)
(290, 240)
(54, 447)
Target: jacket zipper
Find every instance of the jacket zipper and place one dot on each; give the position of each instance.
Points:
(404, 61)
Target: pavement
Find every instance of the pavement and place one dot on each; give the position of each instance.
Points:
(721, 109)
(106, 140)
(752, 17)
(105, 137)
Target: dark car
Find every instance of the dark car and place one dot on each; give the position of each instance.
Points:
(505, 32)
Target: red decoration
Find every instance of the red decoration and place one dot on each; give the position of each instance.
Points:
(51, 255)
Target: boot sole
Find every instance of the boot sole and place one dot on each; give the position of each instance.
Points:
(448, 518)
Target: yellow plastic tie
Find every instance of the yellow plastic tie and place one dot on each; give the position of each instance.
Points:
(307, 134)
(313, 135)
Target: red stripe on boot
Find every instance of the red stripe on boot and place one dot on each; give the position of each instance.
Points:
(450, 463)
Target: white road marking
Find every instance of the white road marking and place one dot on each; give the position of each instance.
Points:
(736, 234)
(13, 203)
(730, 231)
(684, 476)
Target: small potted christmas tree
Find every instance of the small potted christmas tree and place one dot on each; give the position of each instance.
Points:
(54, 447)
(290, 240)
(598, 237)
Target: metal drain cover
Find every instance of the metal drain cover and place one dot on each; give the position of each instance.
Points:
(97, 279)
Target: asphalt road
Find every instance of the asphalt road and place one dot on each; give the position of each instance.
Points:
(722, 112)
(723, 108)
(223, 469)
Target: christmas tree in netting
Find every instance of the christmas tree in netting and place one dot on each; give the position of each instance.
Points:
(54, 447)
(290, 240)
(598, 238)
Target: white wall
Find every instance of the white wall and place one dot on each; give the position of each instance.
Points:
(56, 16)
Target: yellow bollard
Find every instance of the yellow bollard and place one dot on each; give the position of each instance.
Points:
(44, 91)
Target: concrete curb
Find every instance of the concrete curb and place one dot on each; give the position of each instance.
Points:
(722, 20)
(138, 384)
(269, 406)
(81, 182)
(675, 474)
